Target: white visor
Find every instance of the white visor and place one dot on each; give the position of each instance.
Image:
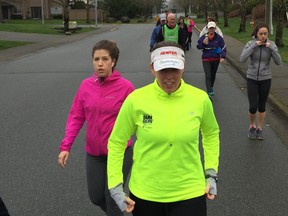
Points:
(168, 57)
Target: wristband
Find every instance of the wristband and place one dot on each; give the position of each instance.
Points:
(211, 176)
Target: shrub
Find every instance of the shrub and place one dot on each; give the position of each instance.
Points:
(125, 19)
(111, 20)
(16, 16)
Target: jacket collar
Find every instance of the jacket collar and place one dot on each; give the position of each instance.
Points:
(160, 92)
(114, 76)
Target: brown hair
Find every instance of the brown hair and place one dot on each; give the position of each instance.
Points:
(211, 19)
(257, 27)
(166, 43)
(110, 46)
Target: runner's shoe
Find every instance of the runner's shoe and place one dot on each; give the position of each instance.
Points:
(252, 133)
(212, 92)
(259, 134)
(210, 96)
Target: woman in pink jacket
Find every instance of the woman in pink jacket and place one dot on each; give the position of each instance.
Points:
(97, 103)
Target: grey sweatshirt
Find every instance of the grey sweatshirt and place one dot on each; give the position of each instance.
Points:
(260, 57)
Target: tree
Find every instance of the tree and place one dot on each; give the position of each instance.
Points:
(185, 4)
(160, 4)
(88, 11)
(203, 6)
(243, 14)
(246, 7)
(146, 7)
(225, 6)
(1, 15)
(65, 5)
(78, 4)
(215, 8)
(118, 8)
(280, 9)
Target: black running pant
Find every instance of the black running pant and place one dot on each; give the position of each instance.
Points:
(96, 170)
(258, 92)
(190, 207)
(210, 69)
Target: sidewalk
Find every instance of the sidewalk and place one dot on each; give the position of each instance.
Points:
(278, 97)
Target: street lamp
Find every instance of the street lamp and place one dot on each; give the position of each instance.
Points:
(96, 23)
(42, 11)
(268, 14)
(271, 17)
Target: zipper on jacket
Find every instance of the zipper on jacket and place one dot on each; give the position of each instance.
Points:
(258, 73)
(100, 114)
(171, 135)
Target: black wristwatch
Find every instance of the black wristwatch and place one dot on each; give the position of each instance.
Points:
(211, 176)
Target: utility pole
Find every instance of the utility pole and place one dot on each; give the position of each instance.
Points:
(268, 15)
(96, 19)
(42, 11)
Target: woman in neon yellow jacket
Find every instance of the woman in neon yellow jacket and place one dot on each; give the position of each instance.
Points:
(167, 116)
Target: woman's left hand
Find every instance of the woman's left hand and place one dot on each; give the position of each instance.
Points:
(208, 195)
(222, 60)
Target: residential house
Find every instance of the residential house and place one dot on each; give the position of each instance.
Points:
(32, 9)
(29, 9)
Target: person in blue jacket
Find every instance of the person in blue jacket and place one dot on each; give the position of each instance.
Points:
(213, 52)
(156, 30)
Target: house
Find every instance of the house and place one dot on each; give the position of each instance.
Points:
(29, 9)
(32, 9)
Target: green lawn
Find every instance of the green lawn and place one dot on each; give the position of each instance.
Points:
(10, 44)
(36, 26)
(244, 37)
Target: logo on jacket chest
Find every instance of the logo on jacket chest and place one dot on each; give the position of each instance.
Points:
(147, 120)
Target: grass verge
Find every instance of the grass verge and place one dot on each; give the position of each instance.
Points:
(36, 26)
(244, 37)
(10, 44)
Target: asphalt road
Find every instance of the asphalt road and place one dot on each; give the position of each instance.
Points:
(36, 92)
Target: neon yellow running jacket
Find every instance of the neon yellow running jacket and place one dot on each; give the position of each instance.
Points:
(167, 163)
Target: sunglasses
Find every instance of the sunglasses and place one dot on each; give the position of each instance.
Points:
(263, 33)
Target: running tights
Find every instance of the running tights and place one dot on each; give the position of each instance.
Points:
(190, 207)
(210, 69)
(258, 92)
(96, 170)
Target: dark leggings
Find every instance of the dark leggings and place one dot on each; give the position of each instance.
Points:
(190, 207)
(3, 208)
(210, 69)
(258, 92)
(96, 170)
(189, 41)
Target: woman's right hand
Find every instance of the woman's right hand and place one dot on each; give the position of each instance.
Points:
(63, 158)
(205, 41)
(130, 205)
